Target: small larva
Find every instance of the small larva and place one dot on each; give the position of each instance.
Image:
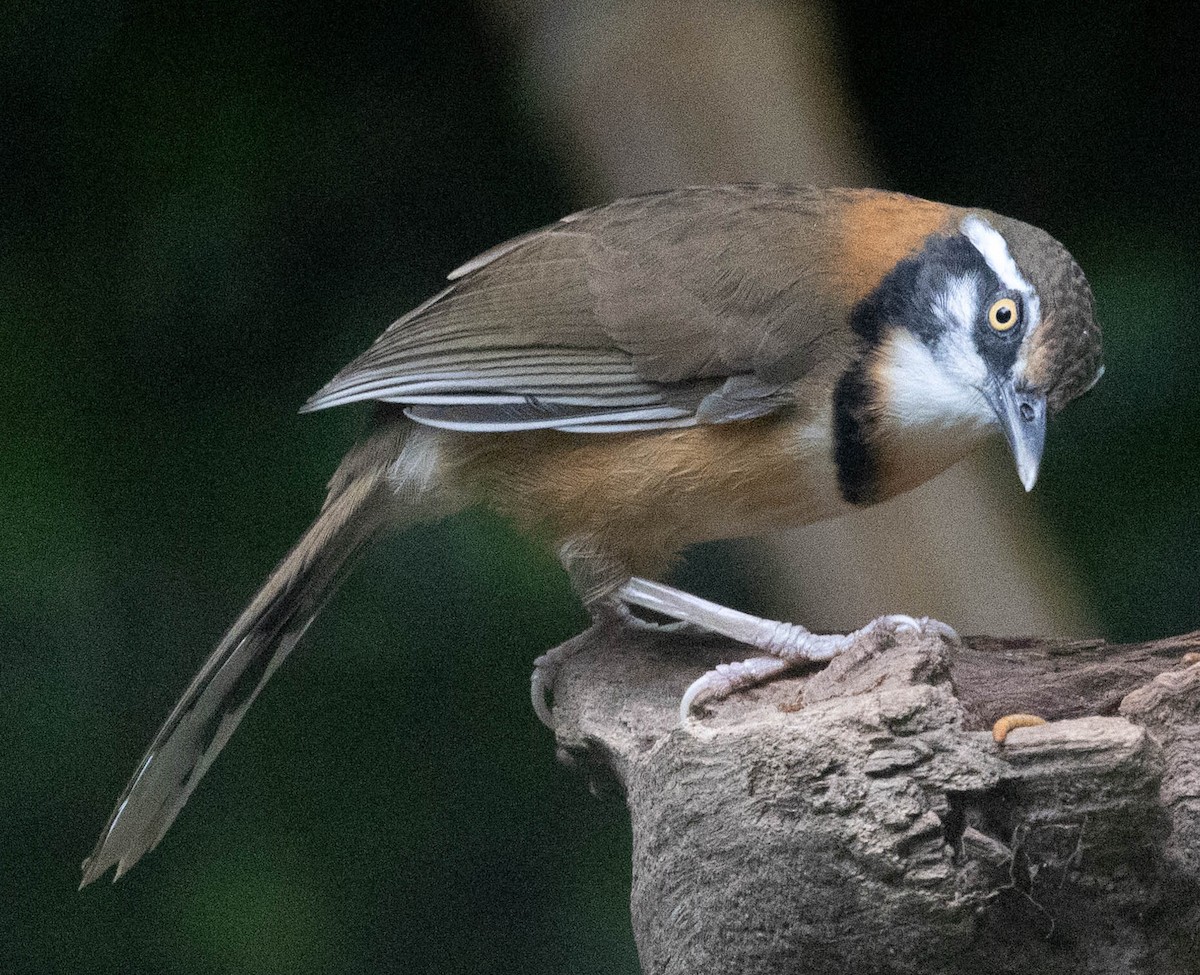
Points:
(1010, 722)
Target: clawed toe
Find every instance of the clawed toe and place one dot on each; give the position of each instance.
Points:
(543, 678)
(627, 617)
(541, 686)
(725, 679)
(938, 628)
(921, 626)
(895, 623)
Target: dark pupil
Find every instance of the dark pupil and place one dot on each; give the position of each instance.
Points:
(1004, 315)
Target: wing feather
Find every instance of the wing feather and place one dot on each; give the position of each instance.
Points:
(666, 310)
(538, 416)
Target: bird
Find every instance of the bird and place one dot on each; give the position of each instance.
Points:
(694, 364)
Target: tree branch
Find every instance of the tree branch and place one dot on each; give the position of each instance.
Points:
(860, 817)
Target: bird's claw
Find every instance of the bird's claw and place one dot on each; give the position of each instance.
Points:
(541, 685)
(789, 646)
(918, 625)
(541, 681)
(727, 678)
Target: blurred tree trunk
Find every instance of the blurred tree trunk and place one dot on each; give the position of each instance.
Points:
(652, 95)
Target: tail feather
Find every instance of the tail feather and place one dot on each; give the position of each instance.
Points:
(221, 693)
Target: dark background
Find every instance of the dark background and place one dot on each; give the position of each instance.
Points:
(205, 212)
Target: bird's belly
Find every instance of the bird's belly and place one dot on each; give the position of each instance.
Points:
(659, 492)
(789, 491)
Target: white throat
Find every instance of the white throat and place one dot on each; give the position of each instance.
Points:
(918, 393)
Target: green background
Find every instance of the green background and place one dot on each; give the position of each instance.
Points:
(205, 211)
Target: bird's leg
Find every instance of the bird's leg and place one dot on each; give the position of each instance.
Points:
(785, 645)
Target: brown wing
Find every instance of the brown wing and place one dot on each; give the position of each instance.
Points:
(691, 306)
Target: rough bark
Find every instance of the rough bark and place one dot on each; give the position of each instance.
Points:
(860, 817)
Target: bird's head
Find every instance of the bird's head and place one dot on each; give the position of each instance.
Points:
(988, 323)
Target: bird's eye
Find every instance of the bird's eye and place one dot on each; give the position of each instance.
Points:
(1003, 314)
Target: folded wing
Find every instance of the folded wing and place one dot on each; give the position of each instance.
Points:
(663, 311)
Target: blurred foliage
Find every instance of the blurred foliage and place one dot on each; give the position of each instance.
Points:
(207, 210)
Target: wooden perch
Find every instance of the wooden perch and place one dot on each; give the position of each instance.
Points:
(860, 818)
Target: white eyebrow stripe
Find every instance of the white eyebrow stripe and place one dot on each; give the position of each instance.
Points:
(994, 248)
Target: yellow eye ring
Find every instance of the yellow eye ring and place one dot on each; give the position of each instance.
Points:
(1003, 314)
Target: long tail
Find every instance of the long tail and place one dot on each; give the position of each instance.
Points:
(209, 711)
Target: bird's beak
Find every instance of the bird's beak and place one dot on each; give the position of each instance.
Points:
(1022, 417)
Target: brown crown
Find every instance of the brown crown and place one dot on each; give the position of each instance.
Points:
(1065, 354)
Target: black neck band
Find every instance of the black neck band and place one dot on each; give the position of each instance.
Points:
(853, 436)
